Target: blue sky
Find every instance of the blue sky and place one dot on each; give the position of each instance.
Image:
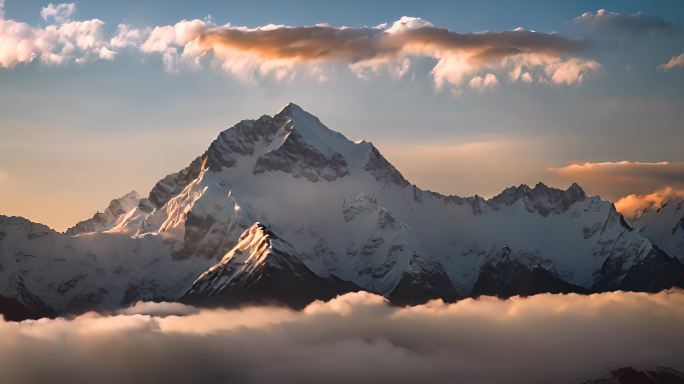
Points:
(461, 16)
(90, 131)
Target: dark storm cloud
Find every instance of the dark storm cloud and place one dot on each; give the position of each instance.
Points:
(357, 338)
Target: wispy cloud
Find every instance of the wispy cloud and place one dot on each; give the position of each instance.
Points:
(59, 13)
(637, 23)
(357, 338)
(674, 62)
(617, 179)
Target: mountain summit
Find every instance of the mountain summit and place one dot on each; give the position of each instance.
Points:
(344, 218)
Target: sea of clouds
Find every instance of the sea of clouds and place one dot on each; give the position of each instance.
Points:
(355, 338)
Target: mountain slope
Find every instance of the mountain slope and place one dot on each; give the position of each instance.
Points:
(663, 225)
(263, 269)
(505, 276)
(423, 280)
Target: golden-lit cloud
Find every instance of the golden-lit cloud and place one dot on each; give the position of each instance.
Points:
(674, 62)
(355, 338)
(614, 180)
(634, 205)
(279, 51)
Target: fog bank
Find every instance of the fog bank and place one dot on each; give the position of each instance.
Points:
(354, 338)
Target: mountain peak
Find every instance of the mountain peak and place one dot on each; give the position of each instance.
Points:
(291, 107)
(576, 189)
(295, 113)
(107, 219)
(313, 131)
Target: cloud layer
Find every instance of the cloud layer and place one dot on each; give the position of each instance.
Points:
(478, 60)
(614, 180)
(357, 338)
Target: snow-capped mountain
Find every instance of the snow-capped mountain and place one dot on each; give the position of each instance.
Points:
(340, 212)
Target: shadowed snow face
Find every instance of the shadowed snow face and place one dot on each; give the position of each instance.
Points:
(355, 338)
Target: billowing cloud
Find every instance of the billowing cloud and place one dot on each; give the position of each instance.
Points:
(358, 338)
(127, 36)
(279, 50)
(674, 62)
(631, 24)
(64, 41)
(614, 180)
(478, 60)
(634, 205)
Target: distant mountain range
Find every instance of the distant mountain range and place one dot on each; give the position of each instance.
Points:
(283, 209)
(629, 375)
